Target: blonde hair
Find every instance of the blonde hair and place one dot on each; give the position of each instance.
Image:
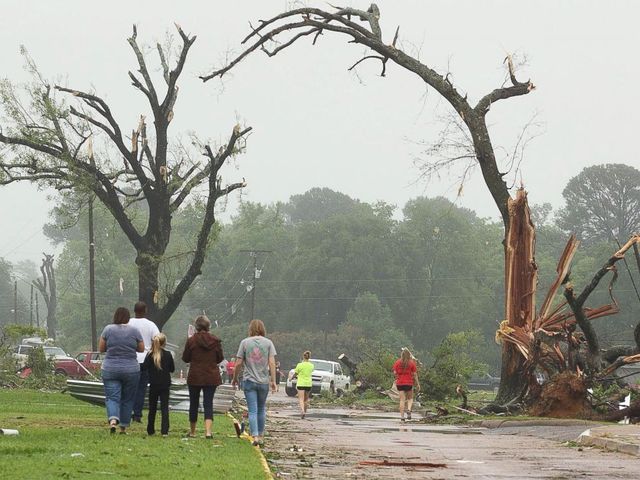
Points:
(306, 355)
(405, 356)
(256, 328)
(157, 343)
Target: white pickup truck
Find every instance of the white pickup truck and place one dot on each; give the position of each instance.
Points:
(327, 376)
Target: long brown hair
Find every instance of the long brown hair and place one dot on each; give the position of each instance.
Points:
(158, 342)
(306, 355)
(405, 357)
(256, 328)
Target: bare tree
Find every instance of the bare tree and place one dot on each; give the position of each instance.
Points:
(48, 290)
(46, 139)
(363, 27)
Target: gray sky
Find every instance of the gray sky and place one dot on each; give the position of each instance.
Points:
(316, 124)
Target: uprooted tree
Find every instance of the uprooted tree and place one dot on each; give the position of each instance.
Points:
(47, 143)
(560, 362)
(363, 28)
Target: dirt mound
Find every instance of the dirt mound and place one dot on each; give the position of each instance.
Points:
(564, 396)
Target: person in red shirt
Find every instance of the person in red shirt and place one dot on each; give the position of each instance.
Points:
(406, 373)
(231, 366)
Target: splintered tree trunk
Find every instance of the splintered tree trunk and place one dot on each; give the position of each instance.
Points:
(47, 288)
(520, 286)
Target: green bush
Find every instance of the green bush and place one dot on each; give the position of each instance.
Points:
(41, 368)
(453, 364)
(38, 362)
(377, 370)
(10, 337)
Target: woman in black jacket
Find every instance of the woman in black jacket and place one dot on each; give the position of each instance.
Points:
(159, 364)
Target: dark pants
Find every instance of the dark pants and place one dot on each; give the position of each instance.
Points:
(207, 401)
(156, 393)
(141, 393)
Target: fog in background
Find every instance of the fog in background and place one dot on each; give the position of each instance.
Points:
(316, 124)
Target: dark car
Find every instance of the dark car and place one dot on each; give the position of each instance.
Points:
(484, 382)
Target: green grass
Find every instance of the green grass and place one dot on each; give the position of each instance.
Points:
(61, 437)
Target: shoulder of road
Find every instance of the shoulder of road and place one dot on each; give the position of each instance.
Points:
(608, 436)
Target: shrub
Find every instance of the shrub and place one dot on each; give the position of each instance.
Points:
(453, 364)
(377, 370)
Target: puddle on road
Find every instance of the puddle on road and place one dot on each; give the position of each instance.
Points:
(347, 415)
(445, 431)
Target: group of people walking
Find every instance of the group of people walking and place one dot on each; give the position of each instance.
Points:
(123, 370)
(136, 356)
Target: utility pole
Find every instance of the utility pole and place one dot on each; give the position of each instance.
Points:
(255, 277)
(15, 301)
(37, 312)
(92, 272)
(31, 308)
(92, 279)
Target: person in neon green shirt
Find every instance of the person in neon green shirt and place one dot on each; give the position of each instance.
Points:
(303, 371)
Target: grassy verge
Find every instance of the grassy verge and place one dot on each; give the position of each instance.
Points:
(61, 437)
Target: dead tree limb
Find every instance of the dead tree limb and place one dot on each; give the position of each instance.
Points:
(363, 27)
(577, 303)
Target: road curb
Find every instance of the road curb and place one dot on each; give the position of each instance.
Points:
(534, 422)
(263, 459)
(607, 442)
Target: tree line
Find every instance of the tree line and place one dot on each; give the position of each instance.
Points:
(334, 273)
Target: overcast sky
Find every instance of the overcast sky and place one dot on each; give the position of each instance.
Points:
(316, 124)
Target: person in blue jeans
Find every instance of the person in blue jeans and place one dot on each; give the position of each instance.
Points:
(120, 368)
(256, 360)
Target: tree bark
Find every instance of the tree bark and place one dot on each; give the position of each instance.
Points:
(148, 267)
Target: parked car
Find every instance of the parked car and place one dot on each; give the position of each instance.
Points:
(81, 366)
(327, 376)
(21, 352)
(484, 382)
(63, 364)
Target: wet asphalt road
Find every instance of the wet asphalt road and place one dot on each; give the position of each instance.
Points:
(338, 443)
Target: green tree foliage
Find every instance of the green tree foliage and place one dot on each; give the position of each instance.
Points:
(453, 272)
(6, 293)
(357, 280)
(337, 259)
(9, 275)
(318, 204)
(370, 324)
(602, 202)
(454, 362)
